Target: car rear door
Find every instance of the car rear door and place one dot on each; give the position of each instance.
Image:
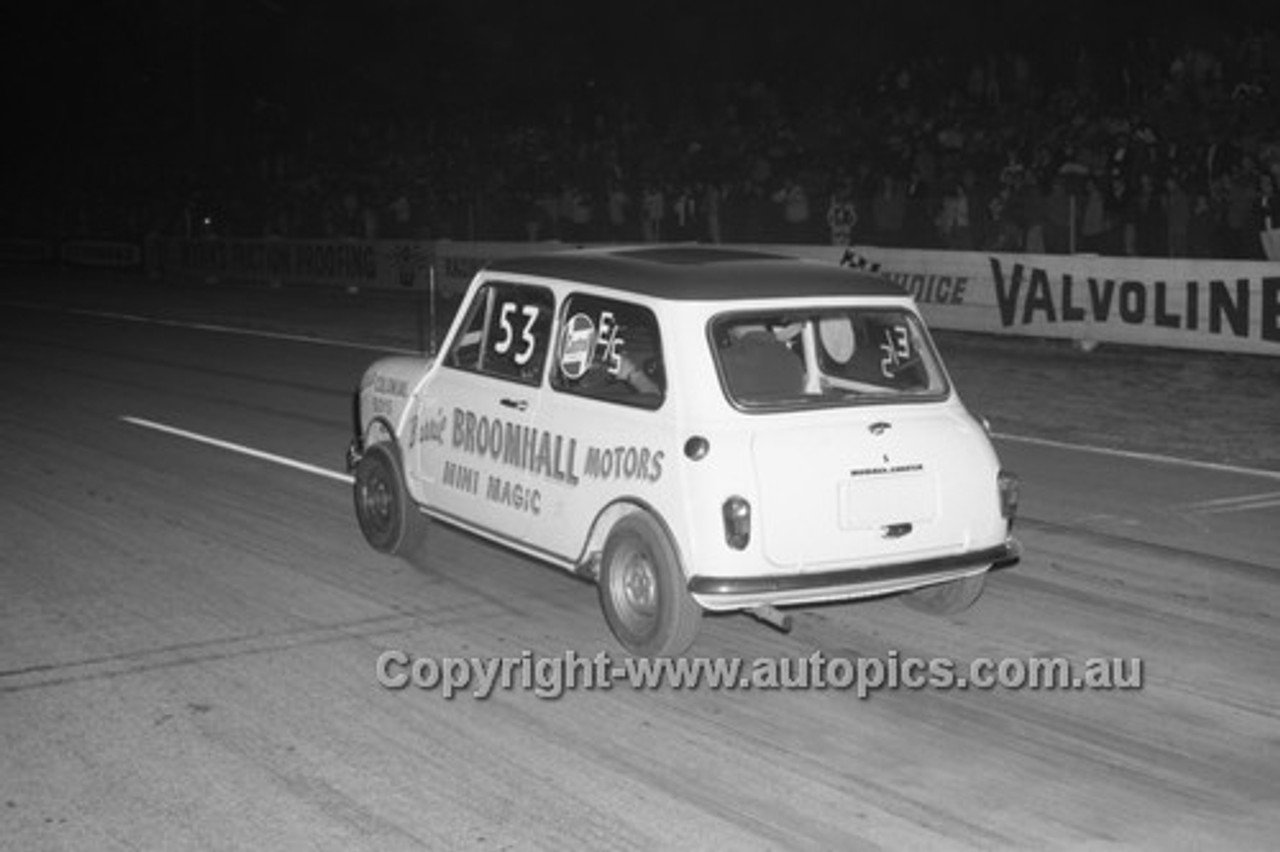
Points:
(864, 457)
(879, 484)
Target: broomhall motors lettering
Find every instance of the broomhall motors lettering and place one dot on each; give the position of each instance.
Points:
(548, 454)
(1029, 295)
(525, 447)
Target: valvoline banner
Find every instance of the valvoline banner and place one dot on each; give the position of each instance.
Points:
(1230, 306)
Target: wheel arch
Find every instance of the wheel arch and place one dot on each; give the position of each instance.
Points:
(588, 562)
(379, 430)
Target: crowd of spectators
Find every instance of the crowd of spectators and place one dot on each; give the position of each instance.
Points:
(1168, 150)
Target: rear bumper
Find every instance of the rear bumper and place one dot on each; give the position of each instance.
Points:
(722, 592)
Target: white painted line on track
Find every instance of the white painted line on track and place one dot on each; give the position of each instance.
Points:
(1231, 501)
(1242, 503)
(239, 448)
(217, 329)
(1139, 456)
(1241, 507)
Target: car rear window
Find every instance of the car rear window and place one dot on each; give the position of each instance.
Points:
(825, 357)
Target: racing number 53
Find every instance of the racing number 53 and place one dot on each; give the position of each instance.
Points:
(527, 340)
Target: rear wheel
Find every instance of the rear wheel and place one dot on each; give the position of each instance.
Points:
(642, 590)
(947, 598)
(388, 516)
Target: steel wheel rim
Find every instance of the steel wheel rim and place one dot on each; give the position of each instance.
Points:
(375, 502)
(634, 589)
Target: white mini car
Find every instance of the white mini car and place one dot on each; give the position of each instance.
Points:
(696, 429)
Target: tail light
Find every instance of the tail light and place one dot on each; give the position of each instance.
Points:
(737, 522)
(1007, 482)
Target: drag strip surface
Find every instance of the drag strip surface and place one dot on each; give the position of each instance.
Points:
(189, 637)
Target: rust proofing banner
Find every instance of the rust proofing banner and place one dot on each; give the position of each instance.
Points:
(384, 264)
(379, 264)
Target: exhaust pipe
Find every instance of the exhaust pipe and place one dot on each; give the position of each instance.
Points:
(771, 616)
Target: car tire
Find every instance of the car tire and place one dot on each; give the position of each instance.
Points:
(947, 598)
(642, 590)
(388, 516)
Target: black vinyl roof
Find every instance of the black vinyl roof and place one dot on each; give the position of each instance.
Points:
(693, 272)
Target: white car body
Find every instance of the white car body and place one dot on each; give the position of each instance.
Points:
(849, 489)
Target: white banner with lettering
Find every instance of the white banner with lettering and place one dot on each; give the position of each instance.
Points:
(1221, 305)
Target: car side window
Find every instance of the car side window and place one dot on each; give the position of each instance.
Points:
(609, 350)
(506, 333)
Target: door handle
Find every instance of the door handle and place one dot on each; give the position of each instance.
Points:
(517, 404)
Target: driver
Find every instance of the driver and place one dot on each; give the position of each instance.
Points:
(631, 366)
(635, 357)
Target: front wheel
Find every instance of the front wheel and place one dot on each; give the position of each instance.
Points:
(947, 598)
(388, 516)
(642, 590)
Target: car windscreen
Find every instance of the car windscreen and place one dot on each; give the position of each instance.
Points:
(825, 357)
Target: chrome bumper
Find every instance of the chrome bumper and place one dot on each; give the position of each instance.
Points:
(1002, 556)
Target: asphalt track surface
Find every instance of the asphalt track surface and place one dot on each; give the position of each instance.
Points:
(189, 631)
